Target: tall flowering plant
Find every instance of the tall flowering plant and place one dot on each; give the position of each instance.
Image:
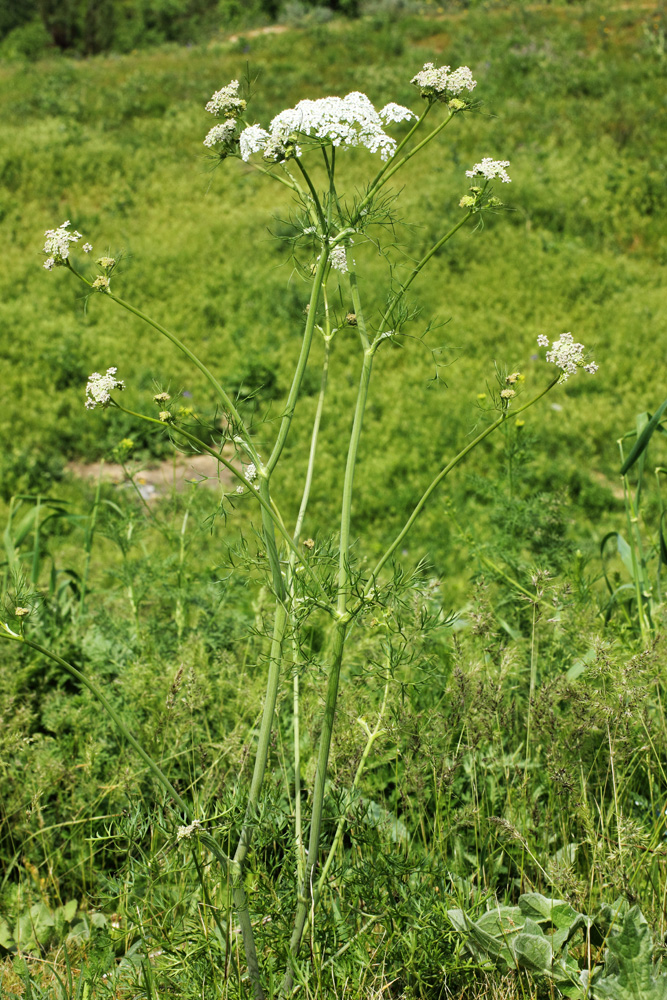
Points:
(332, 230)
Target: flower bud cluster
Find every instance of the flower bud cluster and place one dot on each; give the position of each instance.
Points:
(567, 355)
(101, 283)
(99, 388)
(58, 243)
(438, 84)
(186, 832)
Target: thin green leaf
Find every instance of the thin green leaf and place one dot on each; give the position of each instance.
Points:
(643, 439)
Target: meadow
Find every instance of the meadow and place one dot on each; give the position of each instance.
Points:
(500, 739)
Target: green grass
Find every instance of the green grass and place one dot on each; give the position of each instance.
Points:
(464, 806)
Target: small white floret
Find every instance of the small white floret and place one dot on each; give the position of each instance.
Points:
(491, 168)
(568, 355)
(58, 242)
(185, 832)
(99, 388)
(439, 84)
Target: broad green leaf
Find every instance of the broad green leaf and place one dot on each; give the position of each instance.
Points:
(34, 928)
(6, 939)
(556, 911)
(69, 910)
(532, 949)
(630, 962)
(487, 937)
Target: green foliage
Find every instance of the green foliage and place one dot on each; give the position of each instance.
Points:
(539, 934)
(523, 747)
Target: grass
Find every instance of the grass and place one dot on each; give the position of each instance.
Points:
(521, 749)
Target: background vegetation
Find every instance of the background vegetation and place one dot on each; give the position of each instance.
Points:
(465, 806)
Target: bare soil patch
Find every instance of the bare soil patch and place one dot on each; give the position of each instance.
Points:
(160, 479)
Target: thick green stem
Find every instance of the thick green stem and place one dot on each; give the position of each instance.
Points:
(249, 946)
(295, 388)
(303, 901)
(336, 657)
(264, 738)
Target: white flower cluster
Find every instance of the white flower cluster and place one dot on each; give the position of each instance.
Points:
(220, 133)
(567, 355)
(99, 388)
(185, 832)
(252, 140)
(57, 245)
(342, 121)
(491, 168)
(226, 102)
(338, 259)
(250, 474)
(395, 113)
(438, 83)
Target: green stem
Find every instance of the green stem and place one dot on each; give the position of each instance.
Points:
(634, 538)
(264, 738)
(302, 907)
(291, 183)
(336, 658)
(295, 388)
(298, 823)
(438, 479)
(420, 145)
(313, 442)
(338, 836)
(531, 690)
(250, 817)
(313, 193)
